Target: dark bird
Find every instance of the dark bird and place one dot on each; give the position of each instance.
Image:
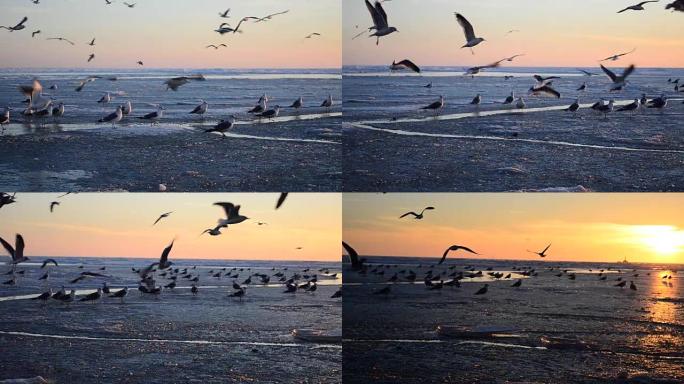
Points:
(140, 63)
(417, 216)
(406, 63)
(632, 286)
(48, 261)
(456, 248)
(574, 106)
(542, 253)
(162, 216)
(93, 296)
(17, 253)
(225, 14)
(61, 39)
(163, 262)
(638, 7)
(517, 283)
(384, 291)
(34, 33)
(437, 105)
(216, 46)
(52, 205)
(281, 199)
(677, 5)
(43, 296)
(17, 27)
(194, 289)
(92, 42)
(619, 82)
(356, 263)
(482, 290)
(621, 284)
(91, 57)
(545, 89)
(471, 39)
(337, 294)
(120, 293)
(616, 57)
(129, 5)
(223, 126)
(380, 23)
(310, 35)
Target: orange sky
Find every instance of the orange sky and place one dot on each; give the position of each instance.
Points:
(550, 33)
(120, 224)
(582, 227)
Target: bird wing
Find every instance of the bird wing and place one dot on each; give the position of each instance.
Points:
(8, 247)
(227, 207)
(381, 11)
(353, 255)
(46, 261)
(146, 270)
(281, 199)
(409, 64)
(547, 247)
(444, 255)
(467, 27)
(628, 71)
(626, 9)
(626, 53)
(19, 247)
(610, 73)
(159, 218)
(551, 91)
(25, 19)
(165, 254)
(408, 213)
(378, 20)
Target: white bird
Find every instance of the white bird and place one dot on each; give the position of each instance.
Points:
(59, 110)
(5, 118)
(380, 24)
(233, 215)
(471, 39)
(105, 99)
(154, 116)
(127, 108)
(520, 104)
(616, 57)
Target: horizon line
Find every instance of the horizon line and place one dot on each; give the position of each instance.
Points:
(503, 259)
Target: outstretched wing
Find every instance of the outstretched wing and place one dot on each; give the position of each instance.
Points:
(628, 71)
(353, 255)
(8, 247)
(467, 27)
(410, 64)
(378, 19)
(227, 207)
(608, 72)
(281, 199)
(547, 247)
(408, 213)
(165, 254)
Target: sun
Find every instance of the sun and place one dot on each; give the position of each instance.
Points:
(664, 240)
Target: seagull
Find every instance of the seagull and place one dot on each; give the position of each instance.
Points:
(437, 105)
(517, 283)
(17, 27)
(92, 296)
(310, 35)
(271, 113)
(91, 57)
(632, 106)
(455, 248)
(544, 80)
(213, 231)
(482, 290)
(105, 99)
(83, 83)
(632, 286)
(200, 109)
(223, 126)
(127, 108)
(232, 214)
(471, 39)
(297, 103)
(586, 73)
(114, 117)
(163, 262)
(48, 261)
(545, 89)
(5, 118)
(638, 7)
(194, 289)
(129, 5)
(582, 87)
(260, 107)
(52, 205)
(404, 64)
(43, 296)
(510, 99)
(225, 14)
(619, 82)
(216, 46)
(66, 298)
(677, 5)
(356, 263)
(176, 82)
(61, 39)
(337, 294)
(617, 57)
(417, 216)
(162, 216)
(140, 63)
(380, 24)
(268, 17)
(17, 253)
(542, 253)
(658, 102)
(281, 199)
(154, 116)
(226, 28)
(239, 293)
(574, 106)
(120, 293)
(328, 102)
(58, 111)
(476, 100)
(34, 33)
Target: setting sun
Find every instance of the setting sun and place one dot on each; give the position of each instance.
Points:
(663, 240)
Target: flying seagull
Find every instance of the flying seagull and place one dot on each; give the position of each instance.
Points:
(34, 33)
(130, 5)
(233, 215)
(162, 216)
(542, 253)
(545, 89)
(17, 27)
(281, 199)
(471, 39)
(677, 5)
(456, 248)
(48, 261)
(380, 24)
(353, 257)
(477, 69)
(52, 205)
(404, 64)
(417, 216)
(310, 35)
(225, 14)
(216, 46)
(91, 57)
(619, 82)
(226, 28)
(61, 39)
(617, 57)
(163, 262)
(267, 17)
(92, 42)
(638, 7)
(587, 73)
(17, 253)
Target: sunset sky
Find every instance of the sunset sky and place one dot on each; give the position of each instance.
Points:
(171, 34)
(101, 224)
(581, 227)
(552, 33)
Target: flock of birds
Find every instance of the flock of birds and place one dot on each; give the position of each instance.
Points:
(41, 106)
(543, 85)
(292, 281)
(436, 277)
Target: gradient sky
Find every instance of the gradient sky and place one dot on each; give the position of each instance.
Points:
(118, 224)
(171, 34)
(582, 227)
(552, 33)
